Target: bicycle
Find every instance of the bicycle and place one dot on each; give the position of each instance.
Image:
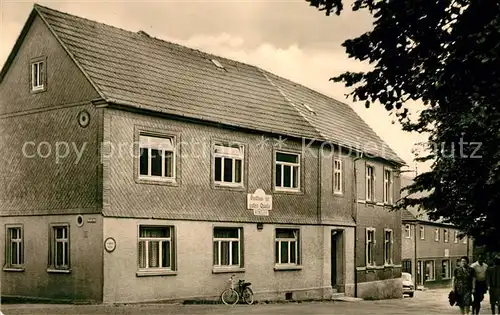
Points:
(231, 295)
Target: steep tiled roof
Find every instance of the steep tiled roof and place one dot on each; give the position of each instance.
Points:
(134, 69)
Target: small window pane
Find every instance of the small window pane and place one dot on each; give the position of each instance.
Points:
(225, 253)
(218, 169)
(142, 254)
(293, 257)
(153, 252)
(144, 161)
(226, 233)
(284, 157)
(277, 251)
(169, 163)
(287, 173)
(216, 253)
(278, 176)
(235, 247)
(295, 177)
(238, 171)
(59, 254)
(155, 162)
(284, 252)
(165, 254)
(228, 170)
(285, 233)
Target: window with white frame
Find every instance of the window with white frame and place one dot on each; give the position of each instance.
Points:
(14, 251)
(287, 171)
(157, 158)
(388, 186)
(37, 75)
(407, 231)
(445, 269)
(455, 236)
(228, 165)
(370, 183)
(388, 247)
(59, 247)
(287, 246)
(422, 232)
(156, 248)
(337, 176)
(370, 246)
(436, 234)
(430, 273)
(445, 235)
(227, 247)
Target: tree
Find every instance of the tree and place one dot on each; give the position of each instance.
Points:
(445, 54)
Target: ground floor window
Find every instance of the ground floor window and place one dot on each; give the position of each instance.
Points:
(429, 270)
(227, 247)
(14, 250)
(156, 248)
(287, 246)
(445, 269)
(59, 246)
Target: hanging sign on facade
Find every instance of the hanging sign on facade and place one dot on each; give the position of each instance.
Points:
(259, 202)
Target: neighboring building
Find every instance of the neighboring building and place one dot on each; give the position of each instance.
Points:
(431, 249)
(130, 167)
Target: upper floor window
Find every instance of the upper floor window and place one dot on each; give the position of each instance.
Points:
(156, 248)
(388, 187)
(422, 232)
(436, 234)
(455, 236)
(370, 183)
(14, 252)
(228, 165)
(445, 235)
(408, 231)
(464, 240)
(287, 246)
(287, 171)
(38, 77)
(157, 158)
(227, 247)
(337, 176)
(370, 246)
(59, 247)
(388, 247)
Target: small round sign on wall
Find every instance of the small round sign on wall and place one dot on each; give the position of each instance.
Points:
(109, 244)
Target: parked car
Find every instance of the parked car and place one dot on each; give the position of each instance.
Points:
(408, 284)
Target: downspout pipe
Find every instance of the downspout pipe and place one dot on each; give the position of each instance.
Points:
(355, 217)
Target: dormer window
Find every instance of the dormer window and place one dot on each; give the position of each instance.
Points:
(38, 75)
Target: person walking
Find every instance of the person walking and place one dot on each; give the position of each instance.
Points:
(493, 283)
(463, 285)
(479, 268)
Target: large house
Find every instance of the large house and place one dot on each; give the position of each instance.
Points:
(140, 170)
(431, 249)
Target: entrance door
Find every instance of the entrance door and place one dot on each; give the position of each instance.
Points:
(420, 273)
(337, 258)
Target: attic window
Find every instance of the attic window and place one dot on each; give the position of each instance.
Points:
(217, 63)
(38, 74)
(309, 108)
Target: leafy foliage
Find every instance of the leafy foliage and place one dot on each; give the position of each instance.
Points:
(445, 54)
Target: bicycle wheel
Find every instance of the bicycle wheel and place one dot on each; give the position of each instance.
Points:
(230, 297)
(247, 296)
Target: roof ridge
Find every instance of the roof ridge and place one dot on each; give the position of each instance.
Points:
(289, 101)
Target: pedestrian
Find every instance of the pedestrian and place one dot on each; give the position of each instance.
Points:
(463, 285)
(493, 282)
(479, 268)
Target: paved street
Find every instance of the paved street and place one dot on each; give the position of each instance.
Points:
(426, 302)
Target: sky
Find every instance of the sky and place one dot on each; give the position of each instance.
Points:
(287, 37)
